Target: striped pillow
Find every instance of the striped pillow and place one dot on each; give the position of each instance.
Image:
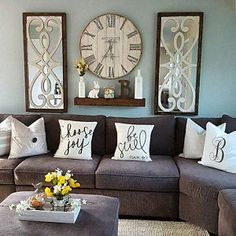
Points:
(5, 136)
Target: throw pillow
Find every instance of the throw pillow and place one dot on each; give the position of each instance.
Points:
(28, 141)
(5, 136)
(194, 140)
(133, 142)
(75, 139)
(219, 149)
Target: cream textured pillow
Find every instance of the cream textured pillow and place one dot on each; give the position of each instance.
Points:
(133, 142)
(76, 139)
(28, 141)
(219, 149)
(5, 136)
(194, 140)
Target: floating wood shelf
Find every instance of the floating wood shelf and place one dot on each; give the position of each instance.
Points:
(129, 102)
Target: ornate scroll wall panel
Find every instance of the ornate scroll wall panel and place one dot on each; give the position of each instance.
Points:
(45, 62)
(179, 37)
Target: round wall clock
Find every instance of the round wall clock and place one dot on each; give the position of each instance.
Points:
(111, 46)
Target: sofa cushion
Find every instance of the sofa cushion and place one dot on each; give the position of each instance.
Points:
(180, 130)
(25, 119)
(53, 131)
(162, 138)
(230, 123)
(227, 214)
(33, 169)
(159, 175)
(202, 182)
(7, 167)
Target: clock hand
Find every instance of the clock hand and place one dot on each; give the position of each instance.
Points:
(109, 50)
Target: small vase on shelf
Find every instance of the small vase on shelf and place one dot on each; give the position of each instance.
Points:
(81, 88)
(138, 86)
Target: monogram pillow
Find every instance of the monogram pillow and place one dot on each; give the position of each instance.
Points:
(219, 149)
(28, 141)
(5, 136)
(194, 140)
(133, 142)
(75, 139)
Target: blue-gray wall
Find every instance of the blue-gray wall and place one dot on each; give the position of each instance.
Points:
(218, 73)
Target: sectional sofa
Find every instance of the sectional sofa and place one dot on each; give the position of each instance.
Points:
(168, 187)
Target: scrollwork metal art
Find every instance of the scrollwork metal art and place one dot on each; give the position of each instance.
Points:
(178, 63)
(45, 62)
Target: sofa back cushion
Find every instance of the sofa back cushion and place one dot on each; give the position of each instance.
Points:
(25, 119)
(53, 131)
(162, 138)
(230, 123)
(180, 130)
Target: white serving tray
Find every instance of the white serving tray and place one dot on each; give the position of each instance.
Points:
(51, 216)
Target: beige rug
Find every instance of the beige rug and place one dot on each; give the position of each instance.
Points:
(129, 227)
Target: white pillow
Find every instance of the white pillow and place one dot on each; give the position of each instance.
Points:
(5, 136)
(194, 140)
(28, 141)
(76, 139)
(133, 142)
(219, 149)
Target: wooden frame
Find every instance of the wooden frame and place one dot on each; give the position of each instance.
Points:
(64, 96)
(157, 71)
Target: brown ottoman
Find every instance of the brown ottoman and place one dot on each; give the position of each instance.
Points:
(227, 215)
(97, 218)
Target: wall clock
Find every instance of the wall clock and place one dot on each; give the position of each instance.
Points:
(111, 46)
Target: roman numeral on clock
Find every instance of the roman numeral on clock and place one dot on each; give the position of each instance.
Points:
(99, 68)
(123, 69)
(111, 71)
(132, 59)
(132, 34)
(90, 59)
(123, 24)
(135, 46)
(98, 23)
(111, 21)
(89, 34)
(86, 47)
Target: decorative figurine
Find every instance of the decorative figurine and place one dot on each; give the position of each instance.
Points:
(94, 92)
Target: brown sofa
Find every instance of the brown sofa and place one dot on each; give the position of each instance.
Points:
(167, 187)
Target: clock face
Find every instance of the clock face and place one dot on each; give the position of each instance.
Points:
(111, 46)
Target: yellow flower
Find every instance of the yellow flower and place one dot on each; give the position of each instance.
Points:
(81, 66)
(61, 180)
(48, 192)
(65, 190)
(73, 183)
(48, 177)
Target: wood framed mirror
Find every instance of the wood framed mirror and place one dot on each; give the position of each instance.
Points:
(45, 62)
(178, 62)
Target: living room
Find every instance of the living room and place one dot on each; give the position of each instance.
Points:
(150, 190)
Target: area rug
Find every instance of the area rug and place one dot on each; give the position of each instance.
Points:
(129, 227)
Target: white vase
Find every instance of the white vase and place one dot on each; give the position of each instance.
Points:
(81, 88)
(138, 86)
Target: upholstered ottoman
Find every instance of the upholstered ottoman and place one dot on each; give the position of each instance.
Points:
(227, 215)
(97, 218)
